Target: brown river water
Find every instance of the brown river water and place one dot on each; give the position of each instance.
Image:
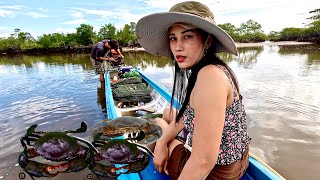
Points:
(280, 86)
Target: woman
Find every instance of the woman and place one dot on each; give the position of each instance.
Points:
(212, 111)
(118, 58)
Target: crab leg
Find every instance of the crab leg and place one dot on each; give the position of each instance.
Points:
(144, 149)
(83, 128)
(88, 143)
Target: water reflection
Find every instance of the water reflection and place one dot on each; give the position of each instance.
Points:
(144, 60)
(247, 57)
(312, 63)
(58, 59)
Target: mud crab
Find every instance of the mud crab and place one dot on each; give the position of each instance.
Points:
(148, 132)
(70, 153)
(118, 151)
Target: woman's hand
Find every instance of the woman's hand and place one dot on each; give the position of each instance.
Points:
(161, 156)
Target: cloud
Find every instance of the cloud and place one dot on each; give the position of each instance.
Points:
(43, 10)
(65, 30)
(76, 21)
(11, 7)
(271, 14)
(77, 15)
(6, 11)
(101, 13)
(126, 15)
(88, 4)
(4, 34)
(36, 15)
(96, 28)
(164, 4)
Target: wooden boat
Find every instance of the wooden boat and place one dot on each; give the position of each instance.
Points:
(257, 170)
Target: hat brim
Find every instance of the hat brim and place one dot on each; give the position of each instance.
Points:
(152, 32)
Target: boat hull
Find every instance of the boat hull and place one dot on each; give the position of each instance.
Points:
(257, 168)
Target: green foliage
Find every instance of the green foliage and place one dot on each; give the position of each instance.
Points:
(250, 27)
(274, 36)
(45, 41)
(85, 34)
(107, 31)
(9, 43)
(289, 34)
(231, 30)
(316, 16)
(312, 33)
(71, 40)
(126, 34)
(250, 31)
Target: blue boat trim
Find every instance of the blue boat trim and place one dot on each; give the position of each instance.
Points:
(112, 114)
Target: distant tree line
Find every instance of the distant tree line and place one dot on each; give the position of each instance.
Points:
(85, 36)
(251, 31)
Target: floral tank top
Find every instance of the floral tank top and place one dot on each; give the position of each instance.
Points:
(235, 138)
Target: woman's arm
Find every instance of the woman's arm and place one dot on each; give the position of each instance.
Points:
(119, 52)
(209, 101)
(171, 131)
(106, 58)
(161, 151)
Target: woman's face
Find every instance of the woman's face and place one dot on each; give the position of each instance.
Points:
(186, 45)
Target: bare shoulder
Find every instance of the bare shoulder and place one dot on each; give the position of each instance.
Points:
(212, 74)
(211, 89)
(211, 82)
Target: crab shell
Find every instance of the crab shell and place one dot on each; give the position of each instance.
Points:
(129, 124)
(56, 146)
(119, 151)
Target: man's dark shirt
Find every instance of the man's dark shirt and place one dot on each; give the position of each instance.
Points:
(99, 50)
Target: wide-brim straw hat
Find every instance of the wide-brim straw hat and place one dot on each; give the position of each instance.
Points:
(152, 30)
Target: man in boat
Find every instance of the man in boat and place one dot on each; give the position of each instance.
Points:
(98, 53)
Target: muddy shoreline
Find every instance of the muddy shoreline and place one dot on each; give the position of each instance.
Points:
(87, 49)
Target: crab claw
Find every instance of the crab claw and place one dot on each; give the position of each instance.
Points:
(136, 166)
(23, 160)
(139, 165)
(83, 128)
(104, 171)
(36, 169)
(74, 165)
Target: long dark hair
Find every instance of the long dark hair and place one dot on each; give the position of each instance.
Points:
(185, 79)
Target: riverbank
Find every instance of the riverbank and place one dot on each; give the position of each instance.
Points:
(87, 49)
(280, 43)
(241, 45)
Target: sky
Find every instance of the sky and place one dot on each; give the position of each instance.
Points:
(40, 17)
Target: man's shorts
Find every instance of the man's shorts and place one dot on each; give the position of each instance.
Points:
(98, 66)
